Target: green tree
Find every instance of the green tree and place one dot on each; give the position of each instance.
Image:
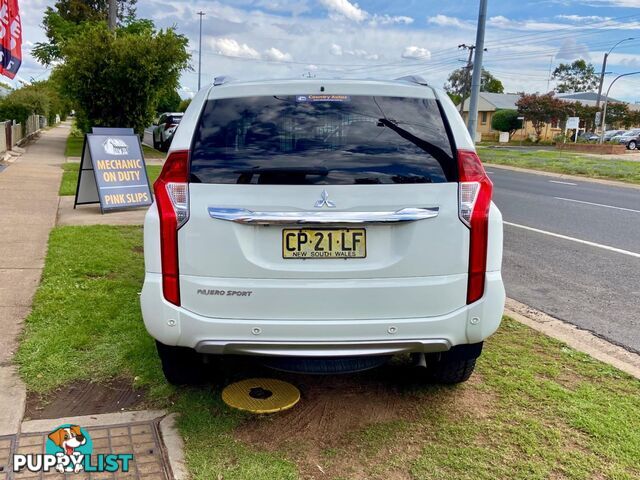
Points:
(586, 113)
(506, 121)
(117, 79)
(168, 102)
(67, 18)
(578, 76)
(184, 104)
(459, 84)
(618, 115)
(41, 98)
(540, 110)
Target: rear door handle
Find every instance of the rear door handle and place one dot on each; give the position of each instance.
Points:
(244, 216)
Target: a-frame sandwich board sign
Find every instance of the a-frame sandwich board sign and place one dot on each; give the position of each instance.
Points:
(113, 171)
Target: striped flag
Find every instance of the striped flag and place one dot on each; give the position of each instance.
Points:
(10, 38)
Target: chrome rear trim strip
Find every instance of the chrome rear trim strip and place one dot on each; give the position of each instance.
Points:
(322, 349)
(244, 216)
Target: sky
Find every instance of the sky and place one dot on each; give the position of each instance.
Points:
(254, 39)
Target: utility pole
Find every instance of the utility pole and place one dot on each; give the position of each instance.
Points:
(477, 70)
(467, 74)
(113, 15)
(201, 14)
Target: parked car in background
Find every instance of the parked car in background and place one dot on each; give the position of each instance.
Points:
(609, 134)
(630, 139)
(323, 226)
(164, 129)
(587, 136)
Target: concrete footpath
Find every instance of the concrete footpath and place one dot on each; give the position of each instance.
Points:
(29, 205)
(28, 208)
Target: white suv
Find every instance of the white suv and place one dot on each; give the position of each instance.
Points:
(311, 221)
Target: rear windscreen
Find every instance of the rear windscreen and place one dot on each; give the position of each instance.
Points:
(322, 139)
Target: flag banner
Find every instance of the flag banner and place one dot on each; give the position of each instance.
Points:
(10, 38)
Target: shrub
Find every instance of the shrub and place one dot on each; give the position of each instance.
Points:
(506, 121)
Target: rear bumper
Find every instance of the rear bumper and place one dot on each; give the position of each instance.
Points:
(173, 325)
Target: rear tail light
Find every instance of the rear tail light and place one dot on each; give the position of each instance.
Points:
(172, 198)
(475, 192)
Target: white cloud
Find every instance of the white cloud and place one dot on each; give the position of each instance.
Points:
(572, 50)
(389, 20)
(416, 53)
(230, 47)
(295, 7)
(277, 55)
(337, 51)
(505, 23)
(582, 18)
(345, 9)
(359, 52)
(446, 21)
(613, 3)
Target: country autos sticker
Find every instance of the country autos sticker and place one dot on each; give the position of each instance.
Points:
(69, 449)
(322, 98)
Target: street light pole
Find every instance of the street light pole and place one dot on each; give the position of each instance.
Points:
(604, 67)
(606, 102)
(477, 70)
(201, 14)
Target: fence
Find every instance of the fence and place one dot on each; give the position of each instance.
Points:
(14, 133)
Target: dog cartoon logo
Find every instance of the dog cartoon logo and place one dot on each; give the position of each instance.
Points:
(71, 441)
(115, 146)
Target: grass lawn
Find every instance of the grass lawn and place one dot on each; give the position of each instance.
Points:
(562, 162)
(535, 409)
(75, 143)
(70, 177)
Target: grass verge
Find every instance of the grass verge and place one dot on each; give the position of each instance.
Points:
(75, 142)
(535, 409)
(70, 177)
(562, 162)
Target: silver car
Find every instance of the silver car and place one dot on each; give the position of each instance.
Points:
(630, 139)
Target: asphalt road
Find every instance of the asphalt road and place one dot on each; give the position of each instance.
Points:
(572, 250)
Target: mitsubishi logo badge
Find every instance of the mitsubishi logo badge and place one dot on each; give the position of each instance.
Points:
(324, 201)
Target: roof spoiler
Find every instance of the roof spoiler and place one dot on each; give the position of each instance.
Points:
(222, 80)
(413, 79)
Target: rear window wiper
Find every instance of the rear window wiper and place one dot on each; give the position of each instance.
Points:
(442, 157)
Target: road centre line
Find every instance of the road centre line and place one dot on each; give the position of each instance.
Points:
(563, 183)
(577, 240)
(597, 204)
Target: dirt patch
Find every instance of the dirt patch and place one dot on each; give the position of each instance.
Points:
(335, 410)
(331, 406)
(84, 398)
(138, 249)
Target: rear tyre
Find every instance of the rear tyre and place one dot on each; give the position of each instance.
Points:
(456, 371)
(632, 145)
(453, 366)
(183, 366)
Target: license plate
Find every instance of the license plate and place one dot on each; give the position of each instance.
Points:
(324, 243)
